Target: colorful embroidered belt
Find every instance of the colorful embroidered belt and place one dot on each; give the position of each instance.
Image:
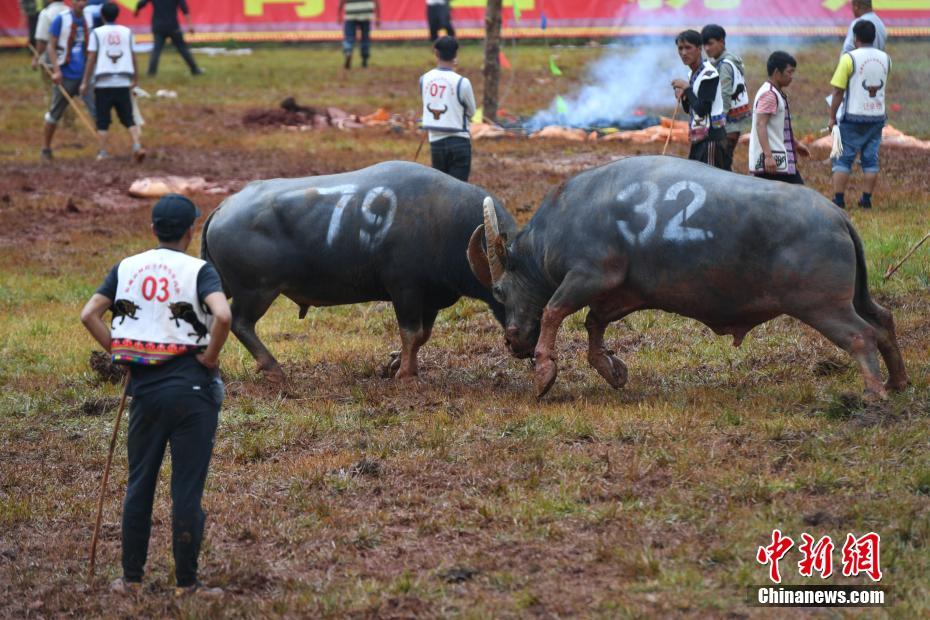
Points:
(146, 353)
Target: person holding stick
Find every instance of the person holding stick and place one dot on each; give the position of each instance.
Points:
(113, 71)
(67, 45)
(169, 321)
(700, 97)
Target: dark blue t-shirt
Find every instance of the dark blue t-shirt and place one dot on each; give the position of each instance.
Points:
(74, 69)
(183, 370)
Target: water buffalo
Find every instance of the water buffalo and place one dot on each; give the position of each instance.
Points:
(394, 231)
(659, 232)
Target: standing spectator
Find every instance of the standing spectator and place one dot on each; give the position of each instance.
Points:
(67, 44)
(439, 15)
(733, 90)
(112, 68)
(862, 9)
(772, 147)
(357, 16)
(165, 26)
(30, 14)
(448, 103)
(859, 83)
(172, 348)
(43, 23)
(700, 98)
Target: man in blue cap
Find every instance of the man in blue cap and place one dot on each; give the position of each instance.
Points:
(169, 321)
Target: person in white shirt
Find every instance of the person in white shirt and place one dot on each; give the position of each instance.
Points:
(448, 104)
(862, 9)
(44, 22)
(112, 70)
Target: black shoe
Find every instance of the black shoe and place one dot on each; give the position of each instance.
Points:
(348, 62)
(364, 62)
(841, 205)
(865, 204)
(197, 71)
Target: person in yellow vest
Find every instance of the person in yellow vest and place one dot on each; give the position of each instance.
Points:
(700, 98)
(734, 91)
(113, 70)
(773, 150)
(357, 15)
(858, 105)
(169, 321)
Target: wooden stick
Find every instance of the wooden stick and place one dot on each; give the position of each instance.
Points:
(77, 110)
(420, 148)
(103, 483)
(894, 268)
(671, 127)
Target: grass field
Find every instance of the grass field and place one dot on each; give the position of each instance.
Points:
(457, 494)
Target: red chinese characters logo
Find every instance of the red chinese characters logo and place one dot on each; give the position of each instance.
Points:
(860, 555)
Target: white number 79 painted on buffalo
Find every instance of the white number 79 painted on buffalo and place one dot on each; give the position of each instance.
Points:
(676, 229)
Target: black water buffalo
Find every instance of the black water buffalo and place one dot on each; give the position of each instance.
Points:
(659, 232)
(394, 231)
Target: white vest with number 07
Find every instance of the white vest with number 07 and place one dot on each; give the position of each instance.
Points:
(157, 314)
(443, 109)
(114, 50)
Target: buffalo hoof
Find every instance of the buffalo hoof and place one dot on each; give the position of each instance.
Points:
(274, 375)
(546, 371)
(405, 373)
(612, 369)
(876, 395)
(897, 386)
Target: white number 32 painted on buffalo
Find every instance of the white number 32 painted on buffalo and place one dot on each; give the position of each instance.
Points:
(676, 229)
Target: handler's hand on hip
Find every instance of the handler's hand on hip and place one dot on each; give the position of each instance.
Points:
(212, 364)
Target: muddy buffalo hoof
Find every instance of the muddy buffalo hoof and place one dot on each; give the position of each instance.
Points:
(897, 386)
(875, 396)
(405, 373)
(612, 369)
(546, 371)
(274, 375)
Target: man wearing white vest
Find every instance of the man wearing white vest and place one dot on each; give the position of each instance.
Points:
(700, 98)
(113, 70)
(169, 321)
(67, 50)
(859, 83)
(448, 104)
(733, 89)
(773, 151)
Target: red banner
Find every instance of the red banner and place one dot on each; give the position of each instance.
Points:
(318, 19)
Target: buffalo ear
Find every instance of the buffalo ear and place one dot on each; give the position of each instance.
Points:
(478, 258)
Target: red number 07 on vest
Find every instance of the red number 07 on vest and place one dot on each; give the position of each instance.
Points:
(437, 89)
(151, 286)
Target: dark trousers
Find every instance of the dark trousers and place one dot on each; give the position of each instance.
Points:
(106, 99)
(177, 37)
(453, 156)
(713, 152)
(33, 22)
(186, 419)
(794, 179)
(439, 17)
(348, 36)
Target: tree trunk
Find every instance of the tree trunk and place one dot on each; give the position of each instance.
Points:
(492, 51)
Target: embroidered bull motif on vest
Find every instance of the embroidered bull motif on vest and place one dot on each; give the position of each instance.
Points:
(114, 56)
(873, 90)
(123, 309)
(437, 113)
(183, 311)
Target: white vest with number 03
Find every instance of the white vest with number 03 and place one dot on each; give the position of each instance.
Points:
(775, 130)
(114, 50)
(443, 109)
(161, 284)
(865, 94)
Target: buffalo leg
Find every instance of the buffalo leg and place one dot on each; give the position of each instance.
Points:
(416, 326)
(247, 309)
(850, 332)
(603, 361)
(576, 290)
(887, 342)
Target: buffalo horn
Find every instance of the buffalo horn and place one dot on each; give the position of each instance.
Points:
(496, 251)
(478, 258)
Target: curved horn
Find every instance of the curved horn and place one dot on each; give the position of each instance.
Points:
(497, 254)
(478, 258)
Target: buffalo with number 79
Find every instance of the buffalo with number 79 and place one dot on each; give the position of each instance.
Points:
(663, 233)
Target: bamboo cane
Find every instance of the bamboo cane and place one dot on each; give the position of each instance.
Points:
(671, 127)
(894, 268)
(77, 110)
(103, 483)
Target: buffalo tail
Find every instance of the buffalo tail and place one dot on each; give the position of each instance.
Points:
(205, 250)
(862, 300)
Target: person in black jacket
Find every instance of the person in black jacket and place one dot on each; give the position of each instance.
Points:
(165, 26)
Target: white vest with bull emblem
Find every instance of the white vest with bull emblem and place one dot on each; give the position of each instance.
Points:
(865, 94)
(157, 314)
(443, 108)
(114, 50)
